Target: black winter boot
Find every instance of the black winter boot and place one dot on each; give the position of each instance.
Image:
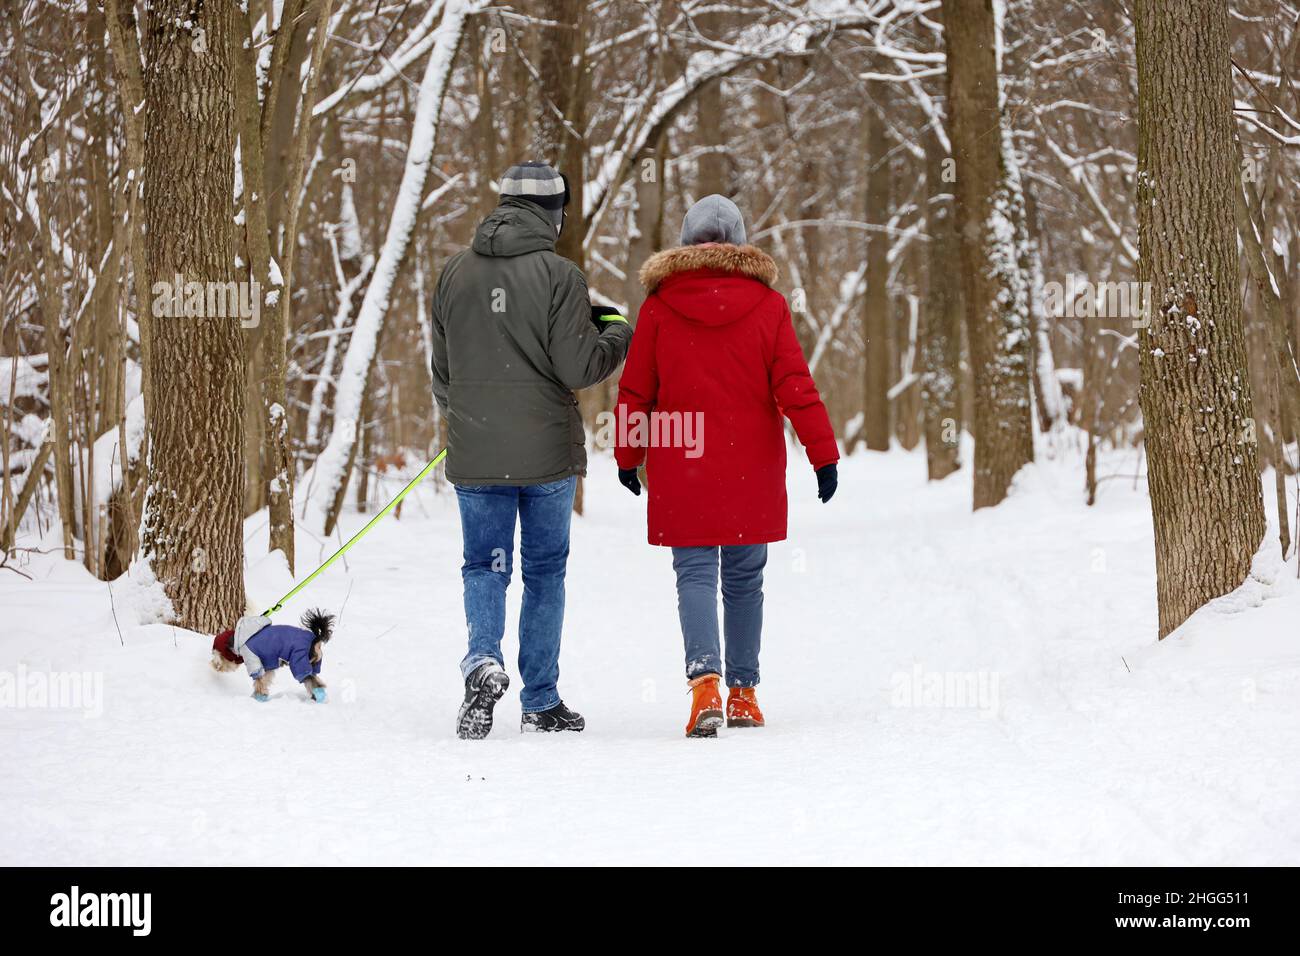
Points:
(483, 688)
(558, 717)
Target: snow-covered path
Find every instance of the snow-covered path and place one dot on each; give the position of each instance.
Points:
(1088, 742)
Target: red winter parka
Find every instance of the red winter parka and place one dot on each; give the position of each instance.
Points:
(714, 364)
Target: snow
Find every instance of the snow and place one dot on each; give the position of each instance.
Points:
(999, 30)
(350, 245)
(108, 460)
(20, 378)
(1080, 739)
(138, 599)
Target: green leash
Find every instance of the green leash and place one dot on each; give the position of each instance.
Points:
(360, 534)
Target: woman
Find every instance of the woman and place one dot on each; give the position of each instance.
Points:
(713, 366)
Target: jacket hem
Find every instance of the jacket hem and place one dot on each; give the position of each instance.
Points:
(517, 482)
(711, 541)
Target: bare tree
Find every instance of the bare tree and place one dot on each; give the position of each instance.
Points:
(877, 362)
(1196, 398)
(193, 523)
(990, 219)
(941, 325)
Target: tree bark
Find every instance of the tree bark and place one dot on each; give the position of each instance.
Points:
(484, 128)
(557, 140)
(1277, 337)
(941, 324)
(53, 301)
(712, 167)
(122, 35)
(710, 114)
(1206, 502)
(60, 392)
(1048, 398)
(877, 361)
(35, 472)
(279, 467)
(990, 220)
(645, 222)
(192, 525)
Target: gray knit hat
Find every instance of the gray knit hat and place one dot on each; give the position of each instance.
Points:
(540, 184)
(713, 219)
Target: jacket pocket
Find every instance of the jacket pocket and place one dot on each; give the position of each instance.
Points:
(577, 432)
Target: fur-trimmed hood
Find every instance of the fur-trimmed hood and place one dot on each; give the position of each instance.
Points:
(748, 261)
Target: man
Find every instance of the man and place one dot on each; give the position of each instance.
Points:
(513, 335)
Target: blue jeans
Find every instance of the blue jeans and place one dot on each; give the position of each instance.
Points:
(742, 603)
(487, 522)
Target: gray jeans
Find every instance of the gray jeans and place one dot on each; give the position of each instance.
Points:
(742, 604)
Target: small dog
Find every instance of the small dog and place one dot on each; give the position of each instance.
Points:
(262, 647)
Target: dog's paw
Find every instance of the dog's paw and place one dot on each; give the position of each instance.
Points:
(261, 698)
(318, 694)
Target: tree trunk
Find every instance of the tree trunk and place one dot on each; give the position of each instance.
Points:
(121, 23)
(192, 525)
(712, 167)
(877, 361)
(1277, 338)
(53, 303)
(60, 392)
(280, 102)
(35, 471)
(1195, 394)
(941, 324)
(271, 475)
(485, 130)
(254, 424)
(907, 413)
(1049, 400)
(710, 114)
(1092, 390)
(563, 114)
(990, 220)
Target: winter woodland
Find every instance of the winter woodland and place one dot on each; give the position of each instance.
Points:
(1043, 258)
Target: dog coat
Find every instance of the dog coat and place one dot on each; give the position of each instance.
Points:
(281, 644)
(232, 644)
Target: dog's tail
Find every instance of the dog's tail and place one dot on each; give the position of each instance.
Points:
(319, 623)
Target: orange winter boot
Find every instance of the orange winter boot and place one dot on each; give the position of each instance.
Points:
(742, 708)
(706, 707)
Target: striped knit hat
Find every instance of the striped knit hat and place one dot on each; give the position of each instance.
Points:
(540, 184)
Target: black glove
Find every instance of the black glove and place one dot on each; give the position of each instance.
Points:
(627, 477)
(603, 314)
(828, 479)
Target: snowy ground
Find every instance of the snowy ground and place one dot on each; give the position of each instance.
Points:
(1084, 741)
